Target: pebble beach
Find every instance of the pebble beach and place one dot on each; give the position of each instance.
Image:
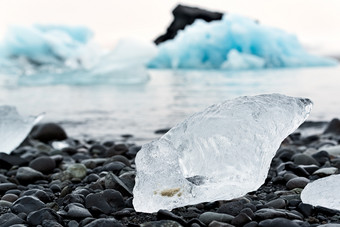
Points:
(89, 183)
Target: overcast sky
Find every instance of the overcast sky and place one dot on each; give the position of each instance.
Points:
(314, 21)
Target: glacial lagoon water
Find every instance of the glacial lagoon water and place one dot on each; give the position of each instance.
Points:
(109, 111)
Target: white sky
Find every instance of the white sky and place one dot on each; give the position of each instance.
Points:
(314, 21)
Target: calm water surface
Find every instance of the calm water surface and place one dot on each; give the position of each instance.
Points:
(108, 111)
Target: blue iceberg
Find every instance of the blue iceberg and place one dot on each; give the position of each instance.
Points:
(235, 42)
(42, 44)
(58, 54)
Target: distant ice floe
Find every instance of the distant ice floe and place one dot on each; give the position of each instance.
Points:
(58, 54)
(235, 42)
(14, 128)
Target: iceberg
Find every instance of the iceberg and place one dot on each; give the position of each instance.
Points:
(235, 42)
(14, 128)
(42, 44)
(59, 54)
(213, 154)
(323, 192)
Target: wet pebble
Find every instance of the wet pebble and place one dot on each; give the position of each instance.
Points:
(43, 164)
(298, 182)
(209, 217)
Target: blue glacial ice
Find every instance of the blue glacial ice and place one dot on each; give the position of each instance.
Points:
(235, 42)
(57, 54)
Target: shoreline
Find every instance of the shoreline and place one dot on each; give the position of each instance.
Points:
(89, 183)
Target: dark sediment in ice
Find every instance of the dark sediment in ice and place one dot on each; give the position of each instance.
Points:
(183, 16)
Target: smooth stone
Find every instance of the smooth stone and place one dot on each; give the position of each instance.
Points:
(326, 171)
(334, 150)
(209, 217)
(278, 222)
(9, 219)
(288, 176)
(219, 224)
(299, 182)
(77, 170)
(48, 132)
(333, 127)
(310, 168)
(168, 215)
(28, 175)
(248, 211)
(7, 161)
(97, 150)
(73, 223)
(117, 149)
(322, 157)
(285, 154)
(40, 194)
(93, 162)
(104, 222)
(114, 167)
(40, 216)
(305, 209)
(27, 204)
(251, 224)
(43, 164)
(266, 213)
(233, 208)
(7, 186)
(241, 219)
(120, 158)
(329, 225)
(4, 203)
(304, 159)
(162, 223)
(10, 197)
(106, 201)
(76, 210)
(277, 203)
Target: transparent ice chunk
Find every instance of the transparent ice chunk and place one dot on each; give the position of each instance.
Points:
(220, 153)
(14, 128)
(323, 192)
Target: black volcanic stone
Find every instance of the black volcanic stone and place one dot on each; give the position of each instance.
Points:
(48, 132)
(106, 202)
(322, 157)
(233, 208)
(43, 164)
(40, 216)
(27, 204)
(168, 215)
(40, 194)
(7, 186)
(10, 219)
(333, 127)
(278, 222)
(104, 222)
(305, 209)
(183, 16)
(27, 175)
(7, 161)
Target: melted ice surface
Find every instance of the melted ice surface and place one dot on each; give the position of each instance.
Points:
(220, 153)
(14, 128)
(323, 192)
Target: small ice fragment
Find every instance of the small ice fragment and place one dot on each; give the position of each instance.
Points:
(220, 153)
(14, 128)
(323, 192)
